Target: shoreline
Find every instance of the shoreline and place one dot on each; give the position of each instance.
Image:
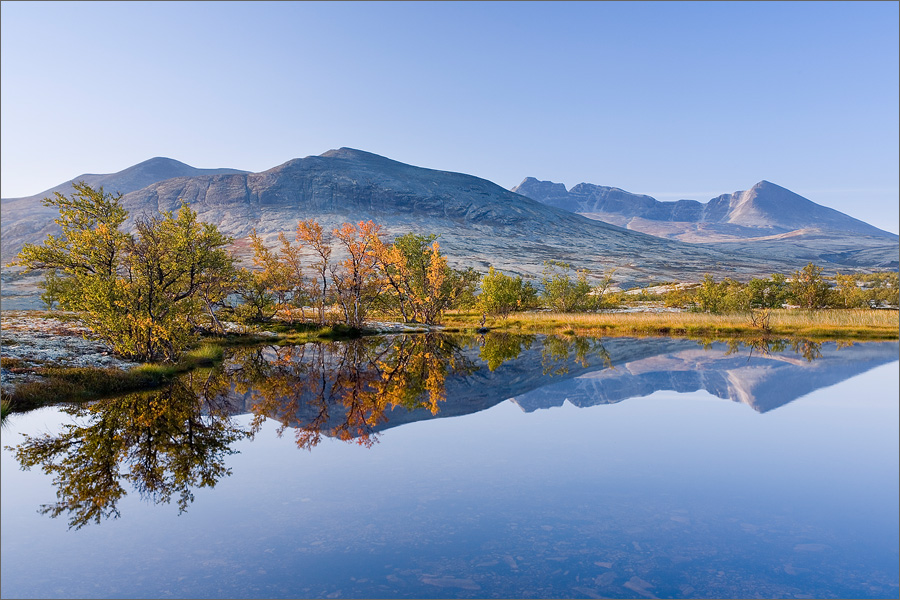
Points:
(49, 355)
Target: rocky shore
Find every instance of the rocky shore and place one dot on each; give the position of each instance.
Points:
(34, 339)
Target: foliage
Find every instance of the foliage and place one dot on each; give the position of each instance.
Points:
(731, 295)
(168, 260)
(82, 260)
(679, 297)
(847, 294)
(808, 288)
(311, 235)
(257, 299)
(502, 294)
(356, 279)
(711, 295)
(768, 293)
(561, 293)
(419, 283)
(142, 293)
(870, 289)
(163, 443)
(276, 285)
(497, 348)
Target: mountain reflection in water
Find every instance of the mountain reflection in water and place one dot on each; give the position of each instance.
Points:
(170, 441)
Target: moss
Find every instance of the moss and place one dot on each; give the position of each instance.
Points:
(206, 355)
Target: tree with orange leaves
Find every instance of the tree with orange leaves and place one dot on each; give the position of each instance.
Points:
(422, 285)
(356, 279)
(310, 234)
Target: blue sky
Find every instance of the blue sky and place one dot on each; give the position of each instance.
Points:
(675, 100)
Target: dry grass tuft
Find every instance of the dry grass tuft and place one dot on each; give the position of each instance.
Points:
(852, 324)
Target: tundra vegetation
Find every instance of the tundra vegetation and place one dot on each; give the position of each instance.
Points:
(153, 292)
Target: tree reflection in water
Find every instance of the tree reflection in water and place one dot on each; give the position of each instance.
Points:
(766, 346)
(345, 389)
(164, 443)
(167, 442)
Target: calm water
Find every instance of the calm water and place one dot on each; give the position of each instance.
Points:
(452, 467)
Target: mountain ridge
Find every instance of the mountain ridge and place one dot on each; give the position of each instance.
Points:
(766, 220)
(763, 205)
(479, 222)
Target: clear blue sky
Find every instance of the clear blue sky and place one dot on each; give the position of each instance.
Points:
(675, 100)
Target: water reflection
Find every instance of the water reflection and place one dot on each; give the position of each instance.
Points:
(164, 444)
(171, 441)
(344, 389)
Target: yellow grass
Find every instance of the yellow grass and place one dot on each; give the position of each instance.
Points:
(851, 324)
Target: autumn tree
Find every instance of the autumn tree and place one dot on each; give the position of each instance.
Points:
(84, 259)
(275, 285)
(311, 235)
(421, 284)
(168, 260)
(140, 292)
(356, 279)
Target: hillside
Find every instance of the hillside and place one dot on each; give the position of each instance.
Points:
(479, 222)
(766, 220)
(27, 220)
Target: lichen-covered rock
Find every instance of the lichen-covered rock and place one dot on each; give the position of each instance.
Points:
(33, 339)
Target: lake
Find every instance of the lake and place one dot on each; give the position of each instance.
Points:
(451, 466)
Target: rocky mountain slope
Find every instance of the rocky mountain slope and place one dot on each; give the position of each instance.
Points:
(766, 220)
(480, 223)
(27, 220)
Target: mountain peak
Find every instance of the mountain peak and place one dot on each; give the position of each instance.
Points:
(761, 210)
(547, 192)
(160, 160)
(768, 185)
(353, 154)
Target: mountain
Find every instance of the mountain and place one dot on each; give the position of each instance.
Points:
(766, 220)
(27, 220)
(480, 223)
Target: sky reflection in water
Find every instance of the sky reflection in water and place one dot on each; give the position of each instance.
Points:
(667, 494)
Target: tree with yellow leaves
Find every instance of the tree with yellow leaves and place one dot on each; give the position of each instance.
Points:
(143, 292)
(422, 285)
(356, 279)
(310, 235)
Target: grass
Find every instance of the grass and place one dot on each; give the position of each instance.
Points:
(833, 324)
(88, 383)
(79, 384)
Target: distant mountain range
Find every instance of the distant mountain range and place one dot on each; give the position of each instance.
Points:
(480, 223)
(766, 220)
